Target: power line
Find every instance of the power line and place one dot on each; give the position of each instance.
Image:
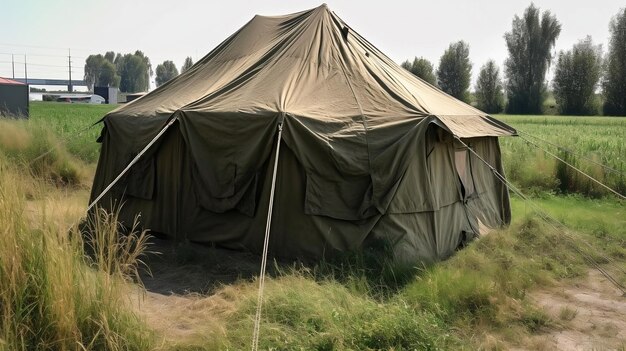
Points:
(33, 64)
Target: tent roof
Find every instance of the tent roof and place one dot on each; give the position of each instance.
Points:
(7, 81)
(312, 65)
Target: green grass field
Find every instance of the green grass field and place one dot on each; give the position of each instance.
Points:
(74, 124)
(53, 297)
(599, 139)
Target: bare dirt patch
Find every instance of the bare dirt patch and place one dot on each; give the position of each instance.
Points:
(188, 293)
(590, 314)
(183, 268)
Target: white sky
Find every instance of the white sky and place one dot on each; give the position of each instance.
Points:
(172, 30)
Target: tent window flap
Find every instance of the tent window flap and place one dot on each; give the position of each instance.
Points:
(464, 171)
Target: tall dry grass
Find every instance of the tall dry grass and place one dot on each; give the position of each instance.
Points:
(52, 296)
(33, 149)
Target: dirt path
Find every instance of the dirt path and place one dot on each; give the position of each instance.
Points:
(591, 314)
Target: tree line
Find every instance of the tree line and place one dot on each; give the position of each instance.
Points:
(578, 72)
(130, 73)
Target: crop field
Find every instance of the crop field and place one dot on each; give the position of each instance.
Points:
(596, 145)
(73, 124)
(490, 295)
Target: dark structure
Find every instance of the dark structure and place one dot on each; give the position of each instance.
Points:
(109, 94)
(13, 98)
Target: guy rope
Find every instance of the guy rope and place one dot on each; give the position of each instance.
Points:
(134, 160)
(557, 225)
(259, 303)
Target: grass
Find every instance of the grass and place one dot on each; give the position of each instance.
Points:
(68, 122)
(477, 299)
(597, 138)
(53, 144)
(567, 314)
(53, 296)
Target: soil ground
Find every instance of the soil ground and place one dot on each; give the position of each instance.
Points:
(590, 314)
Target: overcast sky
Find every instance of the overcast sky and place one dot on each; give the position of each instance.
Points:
(171, 30)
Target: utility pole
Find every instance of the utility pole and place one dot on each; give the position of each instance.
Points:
(25, 70)
(13, 64)
(69, 62)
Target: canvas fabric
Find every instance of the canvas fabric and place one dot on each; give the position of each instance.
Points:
(367, 148)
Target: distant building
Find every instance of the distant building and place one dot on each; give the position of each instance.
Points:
(85, 99)
(108, 93)
(13, 98)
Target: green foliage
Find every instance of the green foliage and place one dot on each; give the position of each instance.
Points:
(614, 83)
(421, 68)
(187, 65)
(529, 44)
(576, 77)
(108, 75)
(100, 71)
(165, 71)
(455, 71)
(134, 74)
(486, 283)
(593, 140)
(489, 95)
(131, 72)
(148, 72)
(300, 312)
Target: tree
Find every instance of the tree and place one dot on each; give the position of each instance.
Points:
(164, 72)
(614, 84)
(455, 71)
(110, 56)
(489, 95)
(133, 73)
(576, 77)
(100, 72)
(529, 43)
(118, 62)
(108, 76)
(148, 72)
(92, 69)
(422, 68)
(187, 65)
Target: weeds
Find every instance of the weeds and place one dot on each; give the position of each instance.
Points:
(111, 249)
(567, 314)
(49, 297)
(37, 151)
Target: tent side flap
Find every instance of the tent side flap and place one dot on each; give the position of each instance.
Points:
(227, 153)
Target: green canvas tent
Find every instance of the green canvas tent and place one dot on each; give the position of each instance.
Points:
(368, 151)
